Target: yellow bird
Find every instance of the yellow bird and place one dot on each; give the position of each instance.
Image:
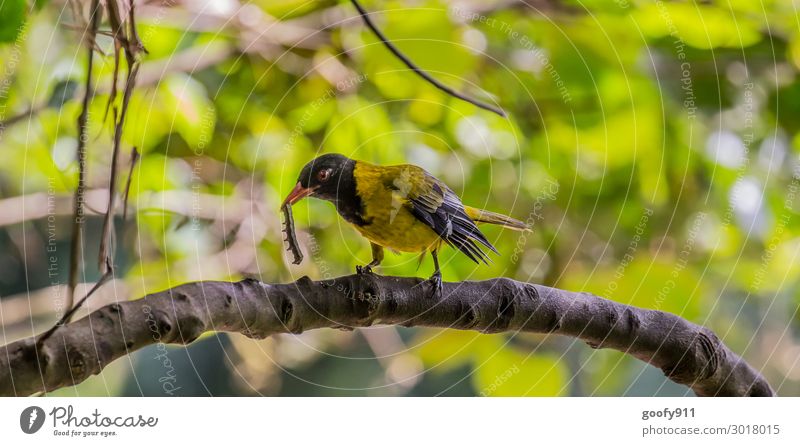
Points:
(403, 208)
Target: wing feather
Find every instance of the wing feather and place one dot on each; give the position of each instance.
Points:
(436, 205)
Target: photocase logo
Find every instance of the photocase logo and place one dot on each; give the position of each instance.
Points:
(31, 419)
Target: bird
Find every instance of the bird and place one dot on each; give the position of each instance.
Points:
(400, 207)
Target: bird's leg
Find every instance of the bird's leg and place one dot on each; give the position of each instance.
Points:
(436, 278)
(377, 258)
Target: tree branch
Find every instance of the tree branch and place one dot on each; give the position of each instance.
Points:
(687, 353)
(415, 68)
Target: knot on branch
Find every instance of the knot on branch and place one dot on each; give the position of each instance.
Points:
(506, 308)
(468, 318)
(77, 364)
(158, 322)
(365, 295)
(283, 314)
(190, 328)
(700, 361)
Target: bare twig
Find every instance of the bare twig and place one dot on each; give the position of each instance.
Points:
(134, 159)
(415, 68)
(19, 117)
(24, 311)
(108, 275)
(112, 95)
(128, 39)
(105, 254)
(687, 353)
(83, 134)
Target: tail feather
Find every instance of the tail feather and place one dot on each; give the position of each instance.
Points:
(483, 216)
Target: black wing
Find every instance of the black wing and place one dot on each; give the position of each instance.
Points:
(435, 204)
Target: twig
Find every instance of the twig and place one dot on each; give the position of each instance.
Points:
(68, 315)
(22, 116)
(112, 95)
(35, 308)
(415, 68)
(134, 159)
(83, 134)
(687, 353)
(128, 39)
(105, 254)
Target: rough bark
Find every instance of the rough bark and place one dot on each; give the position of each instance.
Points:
(687, 353)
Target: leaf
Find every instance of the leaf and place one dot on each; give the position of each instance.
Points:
(156, 173)
(147, 122)
(445, 350)
(12, 16)
(499, 369)
(192, 112)
(701, 26)
(663, 283)
(510, 373)
(604, 372)
(287, 9)
(63, 91)
(365, 126)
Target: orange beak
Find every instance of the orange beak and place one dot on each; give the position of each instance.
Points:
(298, 193)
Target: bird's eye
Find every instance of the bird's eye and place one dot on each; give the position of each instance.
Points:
(324, 174)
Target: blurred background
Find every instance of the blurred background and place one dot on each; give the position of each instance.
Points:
(653, 146)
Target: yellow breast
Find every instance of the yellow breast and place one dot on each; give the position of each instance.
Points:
(390, 222)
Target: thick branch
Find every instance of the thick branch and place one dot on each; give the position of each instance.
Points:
(685, 352)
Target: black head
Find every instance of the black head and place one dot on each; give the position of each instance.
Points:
(324, 177)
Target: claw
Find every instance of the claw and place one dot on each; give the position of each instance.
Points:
(436, 282)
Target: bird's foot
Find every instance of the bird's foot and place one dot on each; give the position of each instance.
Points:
(366, 269)
(436, 284)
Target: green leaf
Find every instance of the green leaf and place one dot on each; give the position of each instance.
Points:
(192, 113)
(63, 91)
(287, 9)
(499, 369)
(155, 173)
(700, 26)
(666, 283)
(445, 350)
(511, 373)
(147, 123)
(12, 16)
(364, 126)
